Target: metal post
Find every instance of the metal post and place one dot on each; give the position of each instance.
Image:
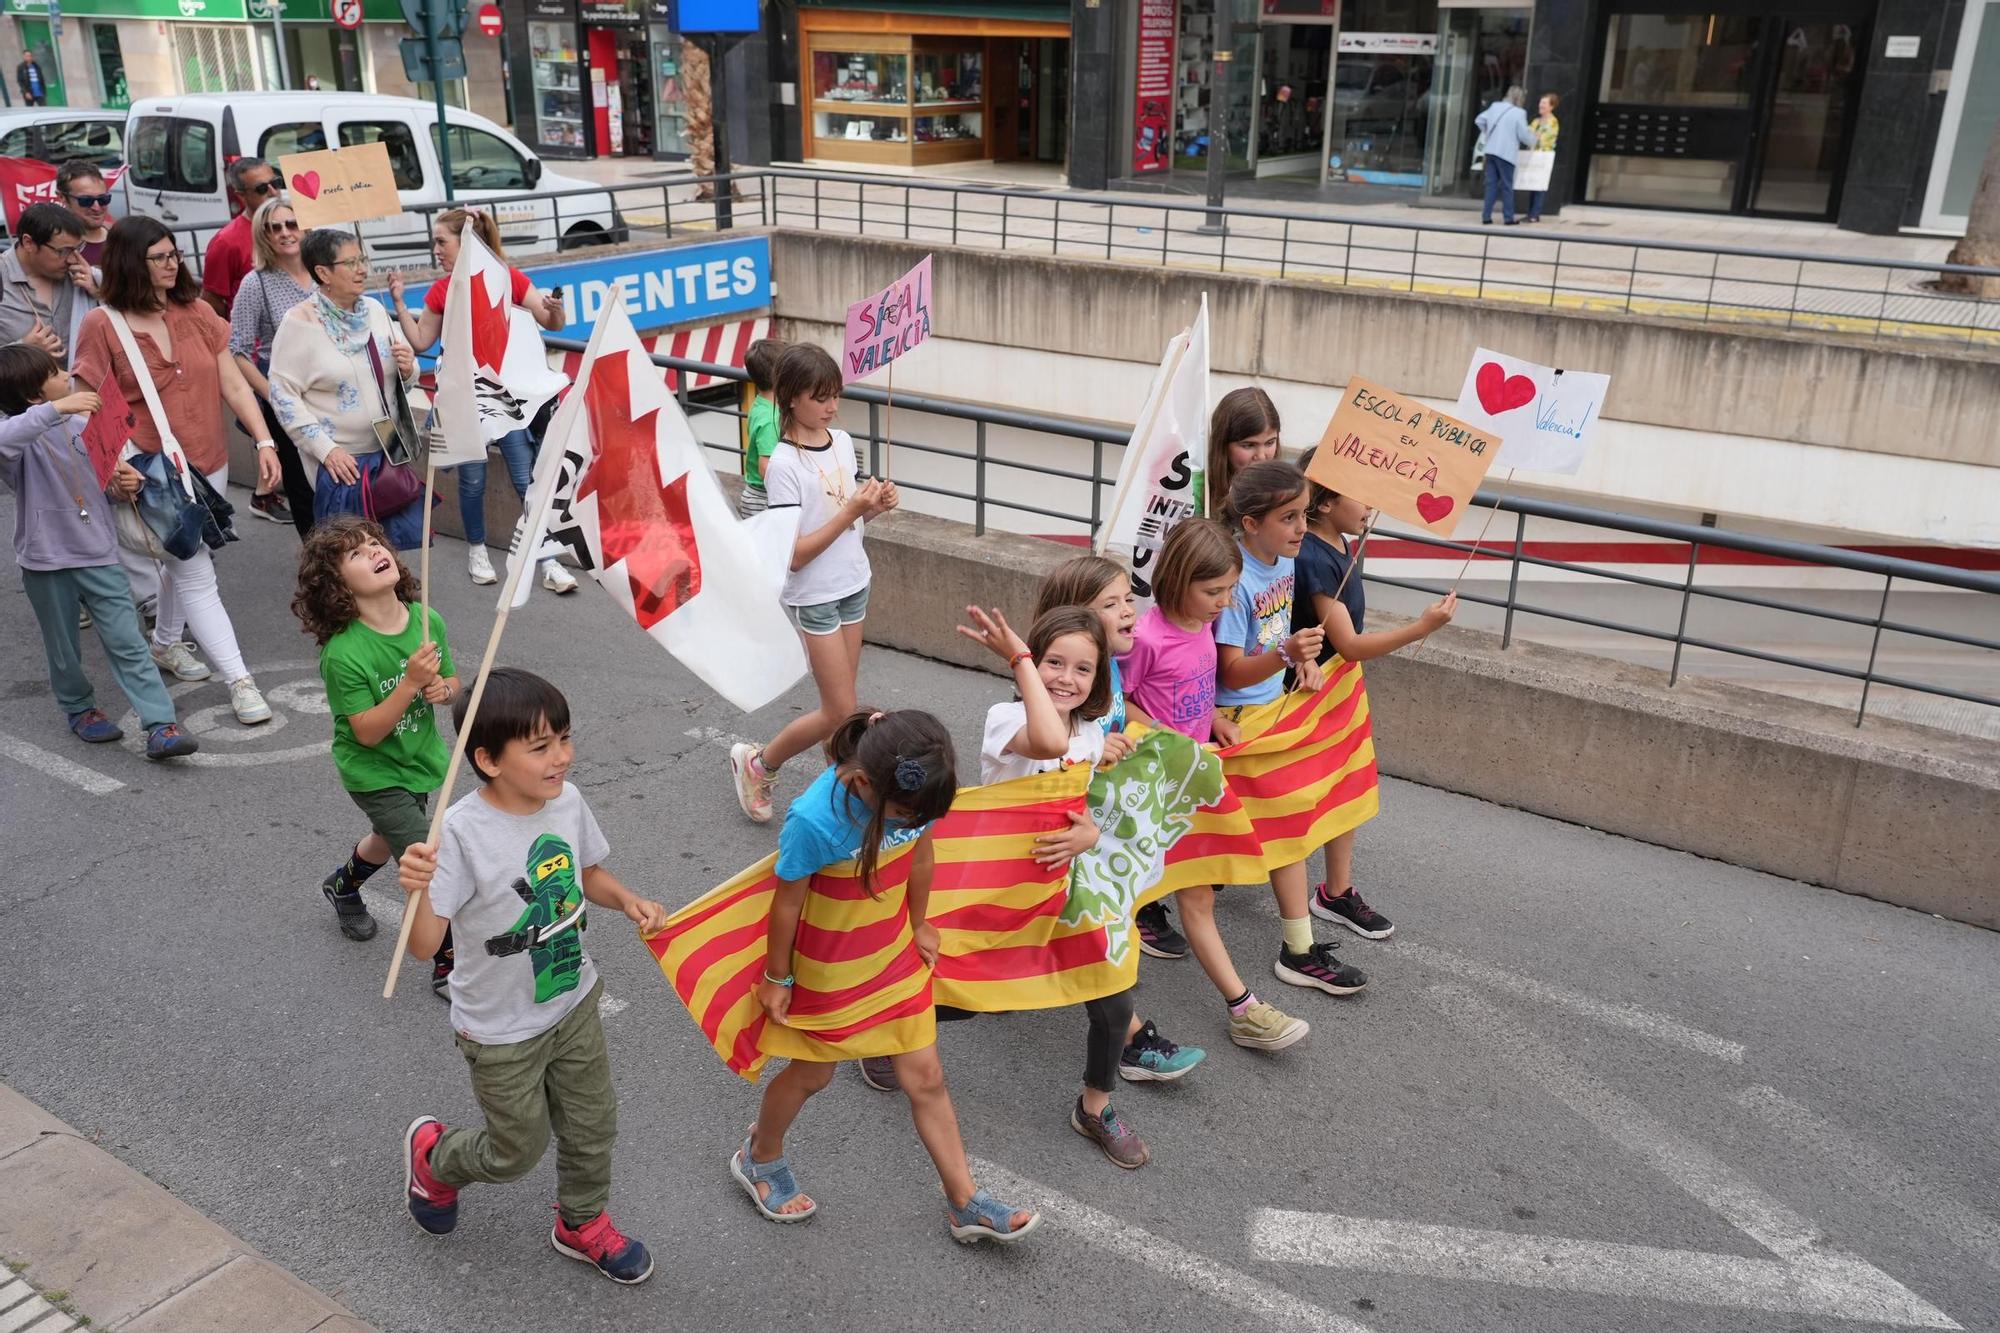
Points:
(1514, 580)
(1874, 646)
(725, 189)
(437, 92)
(1284, 246)
(1096, 490)
(954, 215)
(1003, 223)
(1055, 229)
(874, 439)
(1687, 595)
(979, 479)
(1218, 121)
(278, 30)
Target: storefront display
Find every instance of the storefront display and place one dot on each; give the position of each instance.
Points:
(670, 130)
(558, 85)
(906, 100)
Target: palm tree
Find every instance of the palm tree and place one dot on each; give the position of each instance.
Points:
(1981, 244)
(700, 123)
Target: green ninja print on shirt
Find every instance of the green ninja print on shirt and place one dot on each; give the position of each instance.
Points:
(548, 929)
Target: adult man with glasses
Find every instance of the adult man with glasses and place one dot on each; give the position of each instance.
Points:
(80, 184)
(46, 288)
(251, 181)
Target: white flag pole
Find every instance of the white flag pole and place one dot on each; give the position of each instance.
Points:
(424, 578)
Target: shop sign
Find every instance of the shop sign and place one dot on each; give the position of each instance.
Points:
(1303, 11)
(614, 13)
(681, 285)
(1389, 43)
(1153, 88)
(552, 9)
(210, 10)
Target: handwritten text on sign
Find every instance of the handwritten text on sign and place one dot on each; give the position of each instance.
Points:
(1397, 455)
(341, 185)
(887, 324)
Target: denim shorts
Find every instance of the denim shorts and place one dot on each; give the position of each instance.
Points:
(828, 617)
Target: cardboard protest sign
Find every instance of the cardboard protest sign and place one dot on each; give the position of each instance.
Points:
(109, 429)
(1534, 169)
(1543, 415)
(1397, 455)
(337, 185)
(888, 324)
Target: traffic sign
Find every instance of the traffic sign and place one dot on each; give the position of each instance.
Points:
(347, 13)
(446, 18)
(489, 20)
(417, 65)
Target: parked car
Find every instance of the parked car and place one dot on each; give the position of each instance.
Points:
(55, 134)
(178, 146)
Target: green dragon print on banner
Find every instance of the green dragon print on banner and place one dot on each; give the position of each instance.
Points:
(1142, 805)
(548, 928)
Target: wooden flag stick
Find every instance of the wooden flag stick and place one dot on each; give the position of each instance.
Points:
(889, 424)
(1490, 514)
(424, 560)
(1360, 546)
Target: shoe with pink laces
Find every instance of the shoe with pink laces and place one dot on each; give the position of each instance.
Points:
(598, 1242)
(433, 1203)
(753, 783)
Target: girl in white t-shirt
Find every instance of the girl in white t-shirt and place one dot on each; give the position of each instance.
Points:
(1063, 676)
(814, 471)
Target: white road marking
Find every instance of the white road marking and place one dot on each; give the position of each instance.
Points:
(304, 694)
(55, 766)
(1656, 1026)
(1877, 1172)
(718, 737)
(1083, 1223)
(1553, 1262)
(1822, 1280)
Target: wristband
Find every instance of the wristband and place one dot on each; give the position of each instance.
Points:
(267, 444)
(1019, 658)
(785, 981)
(1285, 653)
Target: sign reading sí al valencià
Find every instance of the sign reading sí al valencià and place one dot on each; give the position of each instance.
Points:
(1402, 457)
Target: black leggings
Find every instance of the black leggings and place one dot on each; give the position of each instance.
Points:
(1110, 1017)
(298, 491)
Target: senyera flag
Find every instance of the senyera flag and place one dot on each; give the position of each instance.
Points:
(1159, 481)
(493, 375)
(25, 181)
(622, 485)
(1304, 770)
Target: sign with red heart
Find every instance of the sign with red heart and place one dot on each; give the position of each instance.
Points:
(1543, 415)
(1403, 457)
(341, 185)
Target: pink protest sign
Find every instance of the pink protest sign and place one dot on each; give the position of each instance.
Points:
(887, 324)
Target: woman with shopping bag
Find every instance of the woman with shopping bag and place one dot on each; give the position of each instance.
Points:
(168, 355)
(340, 382)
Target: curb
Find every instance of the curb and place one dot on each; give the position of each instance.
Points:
(124, 1251)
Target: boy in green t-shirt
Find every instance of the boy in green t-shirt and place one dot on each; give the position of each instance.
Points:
(383, 675)
(761, 437)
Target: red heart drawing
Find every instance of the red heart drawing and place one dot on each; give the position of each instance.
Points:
(1500, 392)
(307, 184)
(1434, 507)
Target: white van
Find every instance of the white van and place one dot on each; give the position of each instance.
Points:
(176, 149)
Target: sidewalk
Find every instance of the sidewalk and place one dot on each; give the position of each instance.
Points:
(114, 1249)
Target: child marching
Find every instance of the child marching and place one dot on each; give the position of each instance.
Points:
(384, 675)
(760, 426)
(891, 776)
(516, 864)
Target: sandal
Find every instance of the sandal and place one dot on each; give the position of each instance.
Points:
(986, 1218)
(750, 1174)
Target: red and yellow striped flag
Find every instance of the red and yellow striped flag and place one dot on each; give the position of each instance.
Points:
(1305, 768)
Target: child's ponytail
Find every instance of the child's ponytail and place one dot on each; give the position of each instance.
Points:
(907, 758)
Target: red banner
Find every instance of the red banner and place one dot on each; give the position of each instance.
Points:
(1153, 95)
(24, 181)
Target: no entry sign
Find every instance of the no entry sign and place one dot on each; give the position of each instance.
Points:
(489, 20)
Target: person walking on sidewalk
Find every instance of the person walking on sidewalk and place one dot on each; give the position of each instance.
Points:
(1505, 127)
(66, 547)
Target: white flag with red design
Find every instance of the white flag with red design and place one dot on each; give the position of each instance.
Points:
(624, 486)
(493, 375)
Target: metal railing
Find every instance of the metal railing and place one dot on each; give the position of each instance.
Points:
(1881, 299)
(1897, 574)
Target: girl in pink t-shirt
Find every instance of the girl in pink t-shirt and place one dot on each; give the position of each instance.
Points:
(1170, 679)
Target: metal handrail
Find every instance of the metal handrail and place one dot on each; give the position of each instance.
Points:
(1891, 569)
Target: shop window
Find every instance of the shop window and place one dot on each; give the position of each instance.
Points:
(101, 141)
(483, 161)
(1690, 60)
(402, 145)
(307, 136)
(213, 59)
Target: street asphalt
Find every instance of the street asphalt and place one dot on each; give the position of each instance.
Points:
(1594, 1085)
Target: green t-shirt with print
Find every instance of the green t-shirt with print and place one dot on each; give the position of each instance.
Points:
(763, 438)
(361, 668)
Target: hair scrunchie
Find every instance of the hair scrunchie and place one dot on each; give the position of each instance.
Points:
(910, 774)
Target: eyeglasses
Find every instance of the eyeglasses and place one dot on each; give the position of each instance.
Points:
(90, 200)
(64, 252)
(171, 257)
(353, 263)
(275, 227)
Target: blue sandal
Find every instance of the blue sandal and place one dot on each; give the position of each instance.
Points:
(750, 1174)
(986, 1218)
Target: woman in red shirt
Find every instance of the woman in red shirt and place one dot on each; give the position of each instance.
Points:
(185, 347)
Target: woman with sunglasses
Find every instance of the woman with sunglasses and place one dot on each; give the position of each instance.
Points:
(81, 184)
(278, 282)
(184, 349)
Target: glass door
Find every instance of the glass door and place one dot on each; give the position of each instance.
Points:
(1294, 68)
(1480, 54)
(1971, 119)
(1803, 146)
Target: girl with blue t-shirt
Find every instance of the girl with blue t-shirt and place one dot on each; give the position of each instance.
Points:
(891, 775)
(1254, 645)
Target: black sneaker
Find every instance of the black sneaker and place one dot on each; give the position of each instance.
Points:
(352, 913)
(1351, 911)
(1319, 969)
(441, 975)
(271, 505)
(1157, 935)
(1151, 1058)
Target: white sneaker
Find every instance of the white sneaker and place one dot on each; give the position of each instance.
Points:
(480, 565)
(248, 702)
(179, 659)
(555, 578)
(753, 784)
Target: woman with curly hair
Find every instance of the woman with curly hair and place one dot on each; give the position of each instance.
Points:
(384, 673)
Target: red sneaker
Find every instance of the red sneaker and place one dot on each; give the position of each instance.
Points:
(599, 1243)
(433, 1203)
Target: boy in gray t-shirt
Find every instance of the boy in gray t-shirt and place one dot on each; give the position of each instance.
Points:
(512, 870)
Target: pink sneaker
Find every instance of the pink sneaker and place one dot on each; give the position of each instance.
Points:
(433, 1203)
(599, 1243)
(753, 784)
